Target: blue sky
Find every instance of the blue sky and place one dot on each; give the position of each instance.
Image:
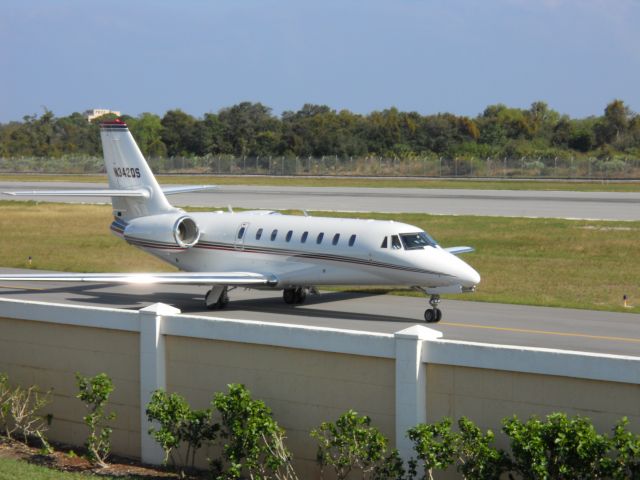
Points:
(429, 56)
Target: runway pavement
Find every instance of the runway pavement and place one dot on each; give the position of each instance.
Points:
(510, 203)
(580, 330)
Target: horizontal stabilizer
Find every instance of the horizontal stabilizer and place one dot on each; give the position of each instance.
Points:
(459, 250)
(187, 189)
(140, 193)
(177, 278)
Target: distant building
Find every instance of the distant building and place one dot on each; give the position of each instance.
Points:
(98, 112)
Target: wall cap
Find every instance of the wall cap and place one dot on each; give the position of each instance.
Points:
(418, 332)
(160, 309)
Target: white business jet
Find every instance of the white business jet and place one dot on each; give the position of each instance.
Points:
(259, 249)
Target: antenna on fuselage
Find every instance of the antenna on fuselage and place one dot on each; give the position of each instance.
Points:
(306, 214)
(229, 208)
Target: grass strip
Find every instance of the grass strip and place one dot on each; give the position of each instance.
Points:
(11, 469)
(507, 184)
(548, 262)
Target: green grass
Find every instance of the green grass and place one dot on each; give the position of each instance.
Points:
(11, 469)
(595, 186)
(559, 263)
(70, 238)
(16, 469)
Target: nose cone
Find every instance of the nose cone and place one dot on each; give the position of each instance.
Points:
(466, 275)
(469, 277)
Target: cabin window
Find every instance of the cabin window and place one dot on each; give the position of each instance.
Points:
(336, 239)
(384, 243)
(352, 240)
(304, 236)
(417, 241)
(241, 233)
(274, 234)
(395, 242)
(319, 239)
(259, 234)
(289, 235)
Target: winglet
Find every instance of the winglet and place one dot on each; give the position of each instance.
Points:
(459, 250)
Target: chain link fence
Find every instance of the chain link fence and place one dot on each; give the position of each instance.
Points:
(517, 168)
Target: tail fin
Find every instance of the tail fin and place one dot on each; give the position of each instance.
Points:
(128, 170)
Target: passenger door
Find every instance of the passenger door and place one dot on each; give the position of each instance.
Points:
(241, 234)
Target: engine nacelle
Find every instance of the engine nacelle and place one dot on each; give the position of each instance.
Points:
(170, 229)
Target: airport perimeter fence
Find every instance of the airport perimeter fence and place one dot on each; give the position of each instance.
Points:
(434, 167)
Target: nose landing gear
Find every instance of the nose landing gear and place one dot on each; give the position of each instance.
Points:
(433, 314)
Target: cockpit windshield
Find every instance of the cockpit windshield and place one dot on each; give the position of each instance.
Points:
(417, 241)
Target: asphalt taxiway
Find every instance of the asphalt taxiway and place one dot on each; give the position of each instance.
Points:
(509, 203)
(557, 328)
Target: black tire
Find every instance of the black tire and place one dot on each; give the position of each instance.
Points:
(438, 315)
(289, 296)
(300, 295)
(430, 316)
(223, 301)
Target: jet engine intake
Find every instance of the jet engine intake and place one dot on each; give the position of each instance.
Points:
(186, 232)
(169, 230)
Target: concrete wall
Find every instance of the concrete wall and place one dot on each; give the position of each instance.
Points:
(487, 396)
(49, 355)
(306, 375)
(303, 388)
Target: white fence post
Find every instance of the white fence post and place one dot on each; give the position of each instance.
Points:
(152, 372)
(411, 383)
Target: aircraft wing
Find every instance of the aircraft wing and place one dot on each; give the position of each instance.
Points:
(459, 250)
(182, 278)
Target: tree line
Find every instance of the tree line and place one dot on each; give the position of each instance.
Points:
(252, 130)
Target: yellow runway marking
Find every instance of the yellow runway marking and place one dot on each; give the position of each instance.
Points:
(542, 332)
(18, 287)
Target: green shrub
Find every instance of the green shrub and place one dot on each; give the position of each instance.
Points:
(5, 403)
(19, 409)
(352, 444)
(179, 423)
(435, 447)
(477, 459)
(94, 393)
(559, 448)
(626, 457)
(254, 442)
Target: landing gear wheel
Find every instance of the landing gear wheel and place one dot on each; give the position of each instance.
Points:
(433, 314)
(294, 296)
(289, 296)
(223, 301)
(300, 295)
(429, 316)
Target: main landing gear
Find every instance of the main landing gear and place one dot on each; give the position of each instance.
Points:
(294, 296)
(217, 298)
(433, 314)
